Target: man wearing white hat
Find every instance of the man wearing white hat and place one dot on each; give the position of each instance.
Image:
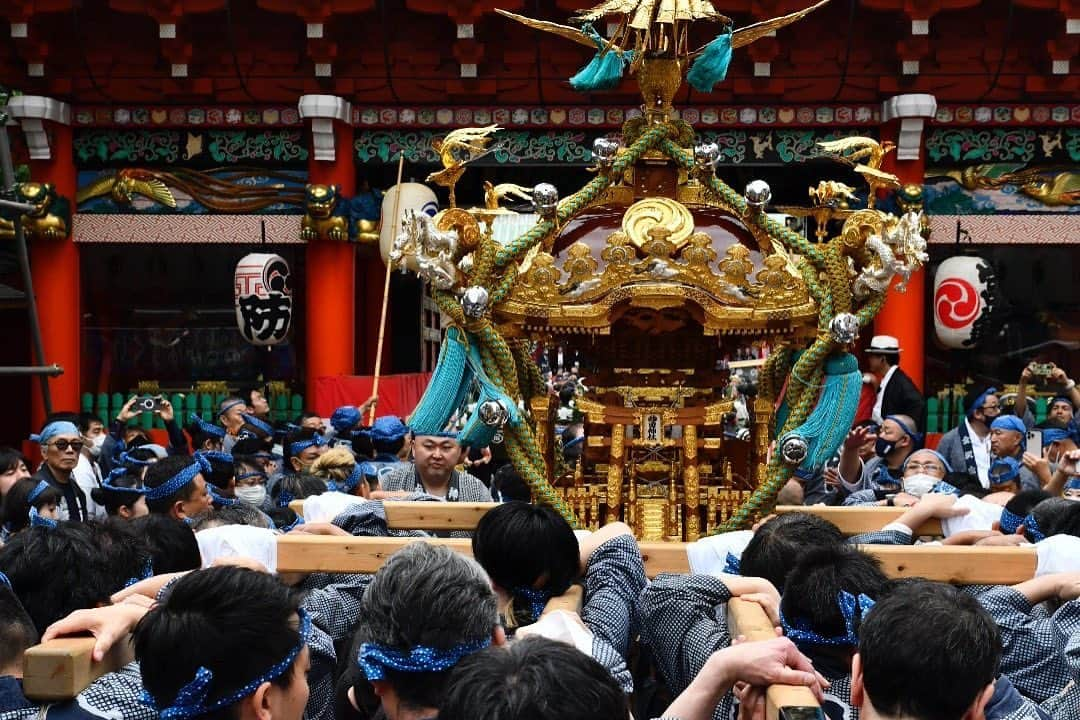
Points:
(897, 394)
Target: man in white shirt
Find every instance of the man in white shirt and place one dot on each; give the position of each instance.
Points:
(967, 446)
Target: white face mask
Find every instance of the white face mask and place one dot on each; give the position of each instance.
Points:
(251, 495)
(919, 484)
(94, 445)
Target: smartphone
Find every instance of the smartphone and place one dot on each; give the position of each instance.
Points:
(1042, 369)
(1034, 441)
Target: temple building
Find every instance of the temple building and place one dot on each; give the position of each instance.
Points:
(179, 137)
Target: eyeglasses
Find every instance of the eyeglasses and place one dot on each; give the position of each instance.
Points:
(926, 467)
(63, 445)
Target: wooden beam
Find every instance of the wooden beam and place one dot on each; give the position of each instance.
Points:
(954, 564)
(858, 520)
(748, 619)
(61, 669)
(435, 515)
(404, 515)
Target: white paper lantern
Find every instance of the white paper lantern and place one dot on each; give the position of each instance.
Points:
(414, 196)
(262, 293)
(960, 299)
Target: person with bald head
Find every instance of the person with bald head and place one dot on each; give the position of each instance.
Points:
(880, 476)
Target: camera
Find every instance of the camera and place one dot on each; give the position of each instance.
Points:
(147, 403)
(1042, 369)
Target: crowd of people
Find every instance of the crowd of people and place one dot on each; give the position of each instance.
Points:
(168, 551)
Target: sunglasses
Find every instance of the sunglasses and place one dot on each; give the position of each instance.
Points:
(63, 445)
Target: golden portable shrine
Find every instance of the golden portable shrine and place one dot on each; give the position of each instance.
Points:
(654, 271)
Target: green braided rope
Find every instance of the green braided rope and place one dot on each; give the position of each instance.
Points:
(525, 454)
(776, 368)
(836, 269)
(577, 202)
(506, 284)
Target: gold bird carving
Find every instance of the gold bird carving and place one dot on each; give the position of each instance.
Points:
(124, 185)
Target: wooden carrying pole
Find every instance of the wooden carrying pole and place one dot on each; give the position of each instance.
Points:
(859, 519)
(782, 702)
(386, 295)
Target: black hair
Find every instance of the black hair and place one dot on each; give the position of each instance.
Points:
(282, 517)
(424, 595)
(966, 483)
(233, 621)
(567, 393)
(238, 514)
(170, 542)
(1024, 501)
(778, 544)
(305, 414)
(364, 446)
(200, 439)
(972, 395)
(17, 631)
(927, 651)
(10, 459)
(893, 358)
(299, 485)
(388, 446)
(221, 471)
(160, 473)
(1054, 517)
(16, 507)
(85, 418)
(247, 391)
(73, 566)
(814, 584)
(508, 484)
(533, 679)
(250, 446)
(521, 545)
(113, 500)
(1067, 521)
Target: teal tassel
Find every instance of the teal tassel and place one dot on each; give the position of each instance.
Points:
(446, 391)
(831, 418)
(476, 433)
(605, 70)
(712, 65)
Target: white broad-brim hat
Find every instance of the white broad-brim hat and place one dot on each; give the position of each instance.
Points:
(884, 344)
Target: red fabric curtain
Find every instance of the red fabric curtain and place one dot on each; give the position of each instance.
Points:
(398, 394)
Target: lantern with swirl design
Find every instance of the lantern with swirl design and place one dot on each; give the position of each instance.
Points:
(963, 288)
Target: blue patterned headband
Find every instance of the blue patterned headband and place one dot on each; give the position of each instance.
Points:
(944, 488)
(60, 427)
(219, 499)
(536, 598)
(107, 483)
(1004, 470)
(190, 702)
(258, 424)
(284, 498)
(173, 485)
(1009, 521)
(4, 580)
(977, 403)
(935, 453)
(1073, 483)
(229, 406)
(41, 487)
(732, 564)
(301, 445)
(208, 428)
(801, 632)
(39, 520)
(376, 659)
(286, 528)
(127, 459)
(1032, 526)
(146, 572)
(223, 457)
(916, 437)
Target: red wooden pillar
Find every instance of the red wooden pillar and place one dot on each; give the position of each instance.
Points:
(904, 313)
(330, 310)
(54, 264)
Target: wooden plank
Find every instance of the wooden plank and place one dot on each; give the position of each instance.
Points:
(328, 553)
(435, 515)
(857, 520)
(405, 515)
(955, 564)
(61, 669)
(570, 601)
(781, 701)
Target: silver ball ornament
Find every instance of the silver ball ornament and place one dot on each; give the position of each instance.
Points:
(604, 151)
(546, 200)
(844, 328)
(492, 413)
(793, 449)
(757, 194)
(705, 156)
(474, 301)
